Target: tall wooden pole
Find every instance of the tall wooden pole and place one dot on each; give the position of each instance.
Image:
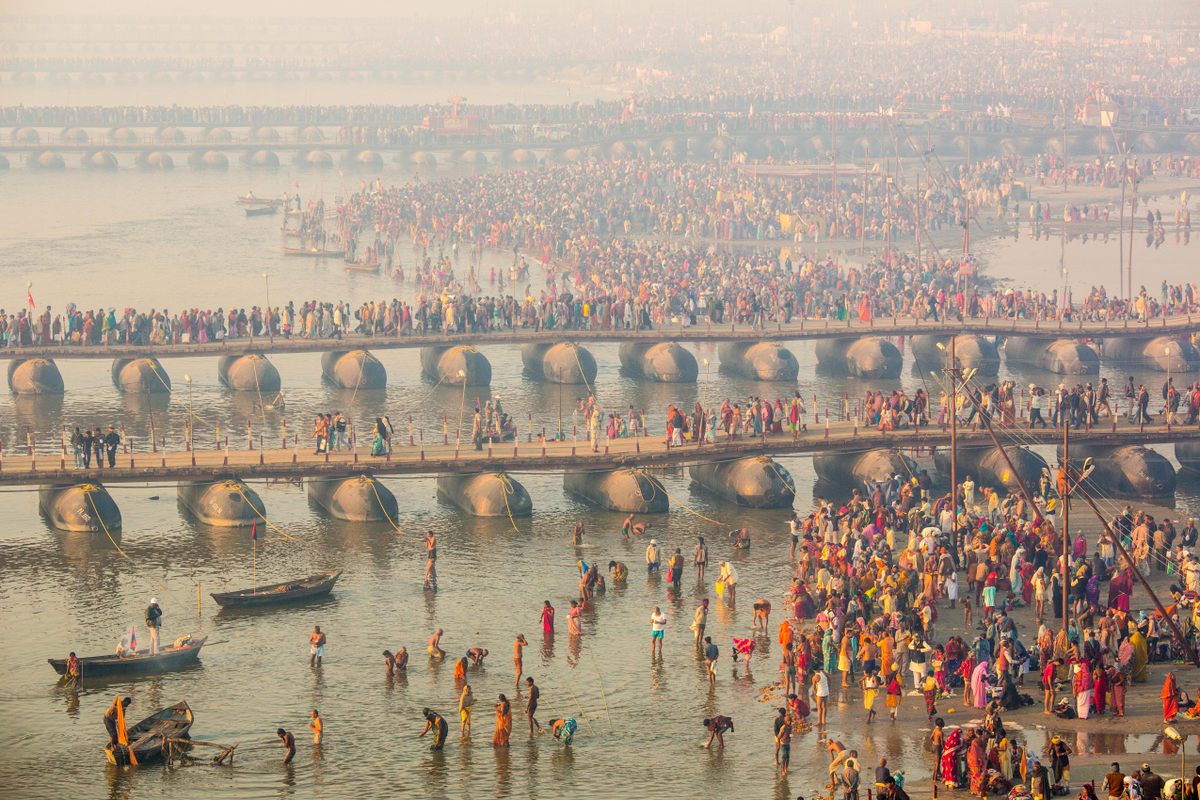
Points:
(1132, 215)
(1121, 224)
(1120, 546)
(918, 212)
(954, 427)
(1065, 499)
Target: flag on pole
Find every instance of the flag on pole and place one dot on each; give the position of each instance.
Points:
(133, 638)
(254, 531)
(29, 298)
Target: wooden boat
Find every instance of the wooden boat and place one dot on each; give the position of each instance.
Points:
(148, 739)
(254, 200)
(166, 660)
(260, 211)
(312, 252)
(363, 266)
(276, 594)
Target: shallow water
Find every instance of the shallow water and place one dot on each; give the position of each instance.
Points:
(155, 240)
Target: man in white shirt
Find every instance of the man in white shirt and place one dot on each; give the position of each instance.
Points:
(658, 626)
(820, 684)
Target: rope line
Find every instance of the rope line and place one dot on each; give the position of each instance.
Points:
(236, 486)
(507, 488)
(88, 490)
(379, 500)
(582, 372)
(787, 479)
(658, 485)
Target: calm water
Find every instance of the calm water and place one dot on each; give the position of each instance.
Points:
(166, 240)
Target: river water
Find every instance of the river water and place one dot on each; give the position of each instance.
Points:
(177, 238)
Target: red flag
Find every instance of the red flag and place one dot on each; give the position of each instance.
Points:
(29, 298)
(254, 531)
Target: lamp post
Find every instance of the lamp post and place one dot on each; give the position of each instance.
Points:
(267, 314)
(462, 376)
(560, 428)
(1174, 735)
(187, 378)
(1167, 352)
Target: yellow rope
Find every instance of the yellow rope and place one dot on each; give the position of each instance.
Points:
(786, 480)
(236, 486)
(258, 388)
(87, 489)
(507, 488)
(379, 500)
(673, 501)
(154, 368)
(582, 372)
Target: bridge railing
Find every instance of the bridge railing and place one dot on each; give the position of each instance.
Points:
(704, 330)
(847, 430)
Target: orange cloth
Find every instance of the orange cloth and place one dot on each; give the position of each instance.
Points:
(122, 733)
(786, 634)
(503, 725)
(1170, 698)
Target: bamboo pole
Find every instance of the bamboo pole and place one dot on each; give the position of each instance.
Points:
(1116, 540)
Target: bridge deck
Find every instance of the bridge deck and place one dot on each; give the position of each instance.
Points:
(801, 329)
(532, 456)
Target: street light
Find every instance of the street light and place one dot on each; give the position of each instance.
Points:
(560, 430)
(267, 316)
(1167, 351)
(462, 376)
(187, 378)
(1178, 739)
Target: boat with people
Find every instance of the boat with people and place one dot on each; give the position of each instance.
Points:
(363, 266)
(148, 739)
(276, 594)
(184, 652)
(313, 252)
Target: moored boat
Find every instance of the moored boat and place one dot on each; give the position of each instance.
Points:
(142, 663)
(363, 266)
(260, 211)
(309, 588)
(312, 252)
(254, 200)
(148, 739)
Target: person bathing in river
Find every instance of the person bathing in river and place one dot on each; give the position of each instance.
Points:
(434, 647)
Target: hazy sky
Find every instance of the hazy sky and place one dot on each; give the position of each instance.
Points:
(341, 8)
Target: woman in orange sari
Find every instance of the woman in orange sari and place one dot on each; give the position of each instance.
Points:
(503, 723)
(460, 672)
(1170, 698)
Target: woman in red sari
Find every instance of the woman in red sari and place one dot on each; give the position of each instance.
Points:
(1170, 698)
(1100, 688)
(949, 757)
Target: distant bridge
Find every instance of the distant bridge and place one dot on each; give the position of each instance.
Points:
(796, 330)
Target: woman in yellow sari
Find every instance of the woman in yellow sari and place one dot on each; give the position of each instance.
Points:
(503, 723)
(1141, 654)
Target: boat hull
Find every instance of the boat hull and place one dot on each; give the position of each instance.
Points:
(312, 588)
(148, 738)
(141, 664)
